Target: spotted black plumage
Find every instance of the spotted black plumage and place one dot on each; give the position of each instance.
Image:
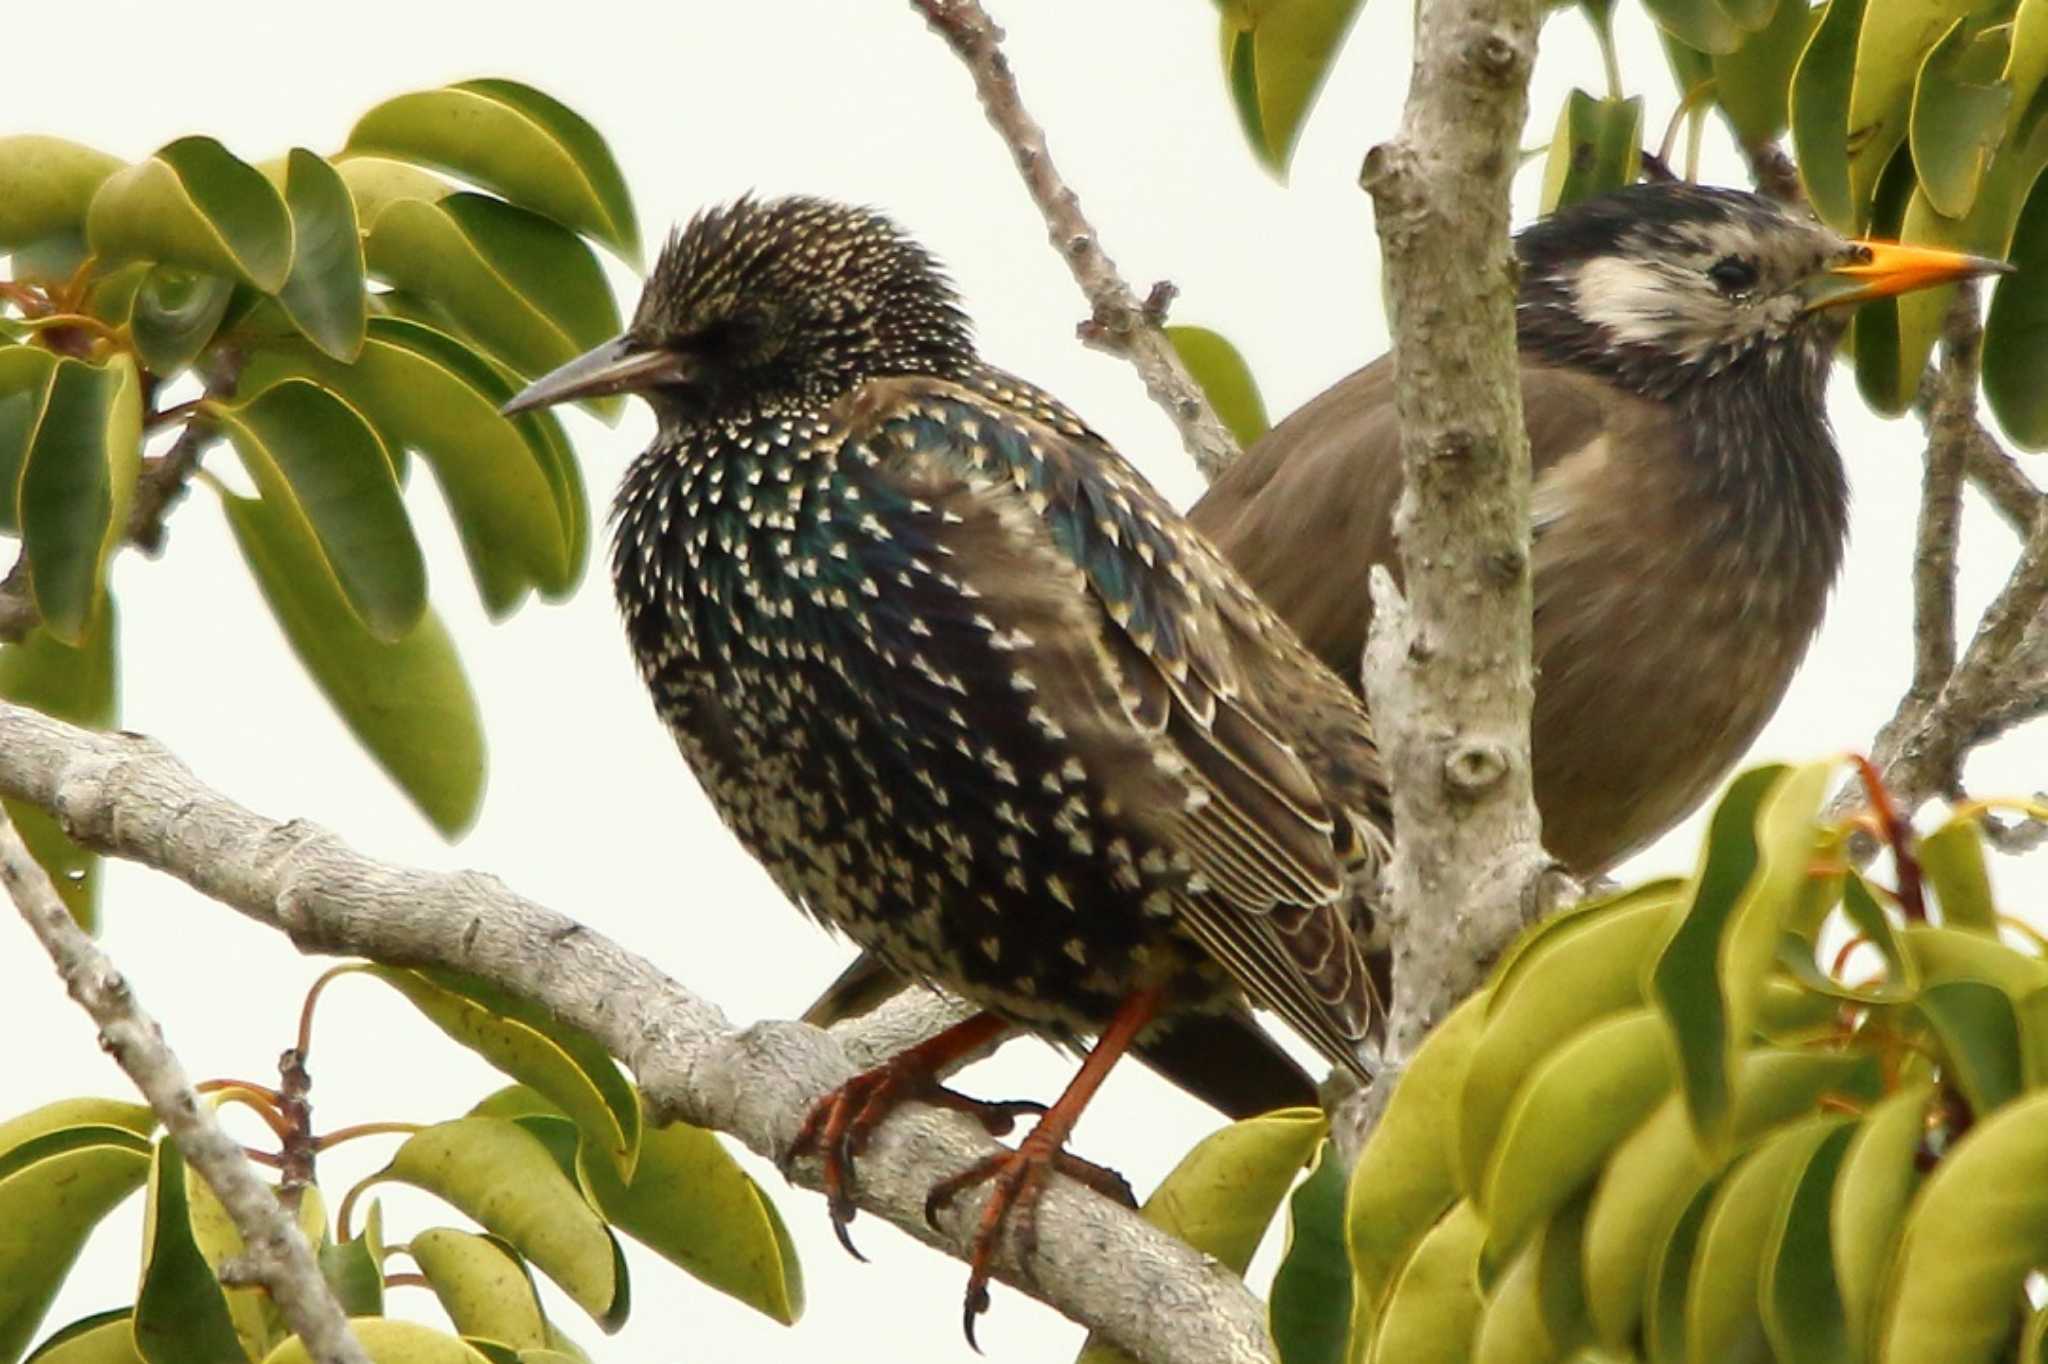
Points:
(959, 678)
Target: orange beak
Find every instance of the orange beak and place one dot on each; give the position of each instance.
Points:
(1879, 269)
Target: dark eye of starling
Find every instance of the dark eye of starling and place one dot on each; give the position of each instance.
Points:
(1733, 275)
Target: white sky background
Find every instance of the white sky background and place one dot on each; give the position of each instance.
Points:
(589, 808)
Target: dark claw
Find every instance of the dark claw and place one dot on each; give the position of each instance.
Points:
(977, 1303)
(839, 1225)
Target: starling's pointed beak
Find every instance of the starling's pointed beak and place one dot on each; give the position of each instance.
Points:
(1882, 268)
(621, 365)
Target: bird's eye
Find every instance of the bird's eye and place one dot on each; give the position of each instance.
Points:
(1733, 274)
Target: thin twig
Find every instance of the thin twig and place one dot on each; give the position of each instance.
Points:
(1999, 477)
(1951, 413)
(1095, 1261)
(19, 613)
(1121, 323)
(277, 1253)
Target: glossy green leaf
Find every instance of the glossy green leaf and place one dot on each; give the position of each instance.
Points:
(1405, 1178)
(1310, 1306)
(1895, 37)
(1753, 84)
(1709, 978)
(1881, 373)
(1433, 1308)
(482, 1286)
(55, 1187)
(1573, 971)
(425, 391)
(1577, 1103)
(377, 182)
(1879, 1175)
(76, 485)
(194, 203)
(391, 1342)
(2015, 333)
(354, 1269)
(514, 140)
(1286, 48)
(1945, 954)
(1225, 379)
(1723, 1317)
(691, 1203)
(1958, 114)
(567, 1066)
(25, 373)
(1802, 1306)
(1820, 113)
(173, 315)
(1222, 1195)
(133, 1118)
(181, 1310)
(324, 295)
(315, 459)
(1596, 149)
(1711, 26)
(1654, 1176)
(1536, 1310)
(49, 183)
(407, 702)
(81, 685)
(1899, 981)
(1976, 1230)
(523, 287)
(1666, 1276)
(102, 1338)
(1980, 1039)
(1952, 860)
(505, 1178)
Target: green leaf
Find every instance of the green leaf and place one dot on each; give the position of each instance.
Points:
(1569, 973)
(691, 1203)
(566, 1065)
(1952, 860)
(1820, 113)
(377, 182)
(181, 1311)
(354, 1269)
(19, 1130)
(1710, 977)
(1879, 1174)
(512, 139)
(194, 203)
(1724, 1302)
(426, 391)
(325, 295)
(483, 1286)
(76, 485)
(1711, 26)
(407, 701)
(174, 314)
(1225, 378)
(391, 1342)
(1288, 47)
(1222, 1195)
(1577, 1103)
(505, 1178)
(55, 1187)
(521, 286)
(49, 183)
(316, 460)
(1753, 84)
(1310, 1311)
(1977, 1229)
(1405, 1178)
(102, 1338)
(1881, 373)
(1802, 1307)
(1434, 1306)
(2015, 333)
(1958, 115)
(1979, 1029)
(1666, 1275)
(1536, 1310)
(1597, 148)
(25, 373)
(1895, 37)
(81, 685)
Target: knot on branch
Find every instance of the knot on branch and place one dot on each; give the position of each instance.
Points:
(1473, 769)
(1495, 59)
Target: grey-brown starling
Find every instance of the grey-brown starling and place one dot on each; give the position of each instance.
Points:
(1689, 513)
(970, 690)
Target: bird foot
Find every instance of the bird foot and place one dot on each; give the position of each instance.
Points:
(1019, 1180)
(838, 1126)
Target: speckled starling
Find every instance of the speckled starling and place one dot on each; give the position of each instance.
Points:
(964, 683)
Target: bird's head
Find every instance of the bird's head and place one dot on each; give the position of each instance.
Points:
(767, 304)
(1662, 285)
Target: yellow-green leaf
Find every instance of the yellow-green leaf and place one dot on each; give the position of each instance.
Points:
(314, 458)
(1895, 38)
(1222, 1195)
(1434, 1306)
(174, 313)
(24, 394)
(1596, 149)
(1820, 113)
(194, 203)
(1711, 26)
(1952, 860)
(1288, 47)
(81, 685)
(1536, 1309)
(1959, 113)
(377, 182)
(102, 1338)
(1753, 84)
(482, 1286)
(1225, 378)
(324, 295)
(55, 1187)
(391, 1342)
(49, 183)
(76, 485)
(408, 702)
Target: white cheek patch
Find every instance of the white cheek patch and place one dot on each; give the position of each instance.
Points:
(1633, 299)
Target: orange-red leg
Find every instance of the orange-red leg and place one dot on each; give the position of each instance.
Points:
(838, 1125)
(1019, 1175)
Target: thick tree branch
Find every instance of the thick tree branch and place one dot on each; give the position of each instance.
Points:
(1095, 1261)
(1121, 324)
(1447, 671)
(277, 1255)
